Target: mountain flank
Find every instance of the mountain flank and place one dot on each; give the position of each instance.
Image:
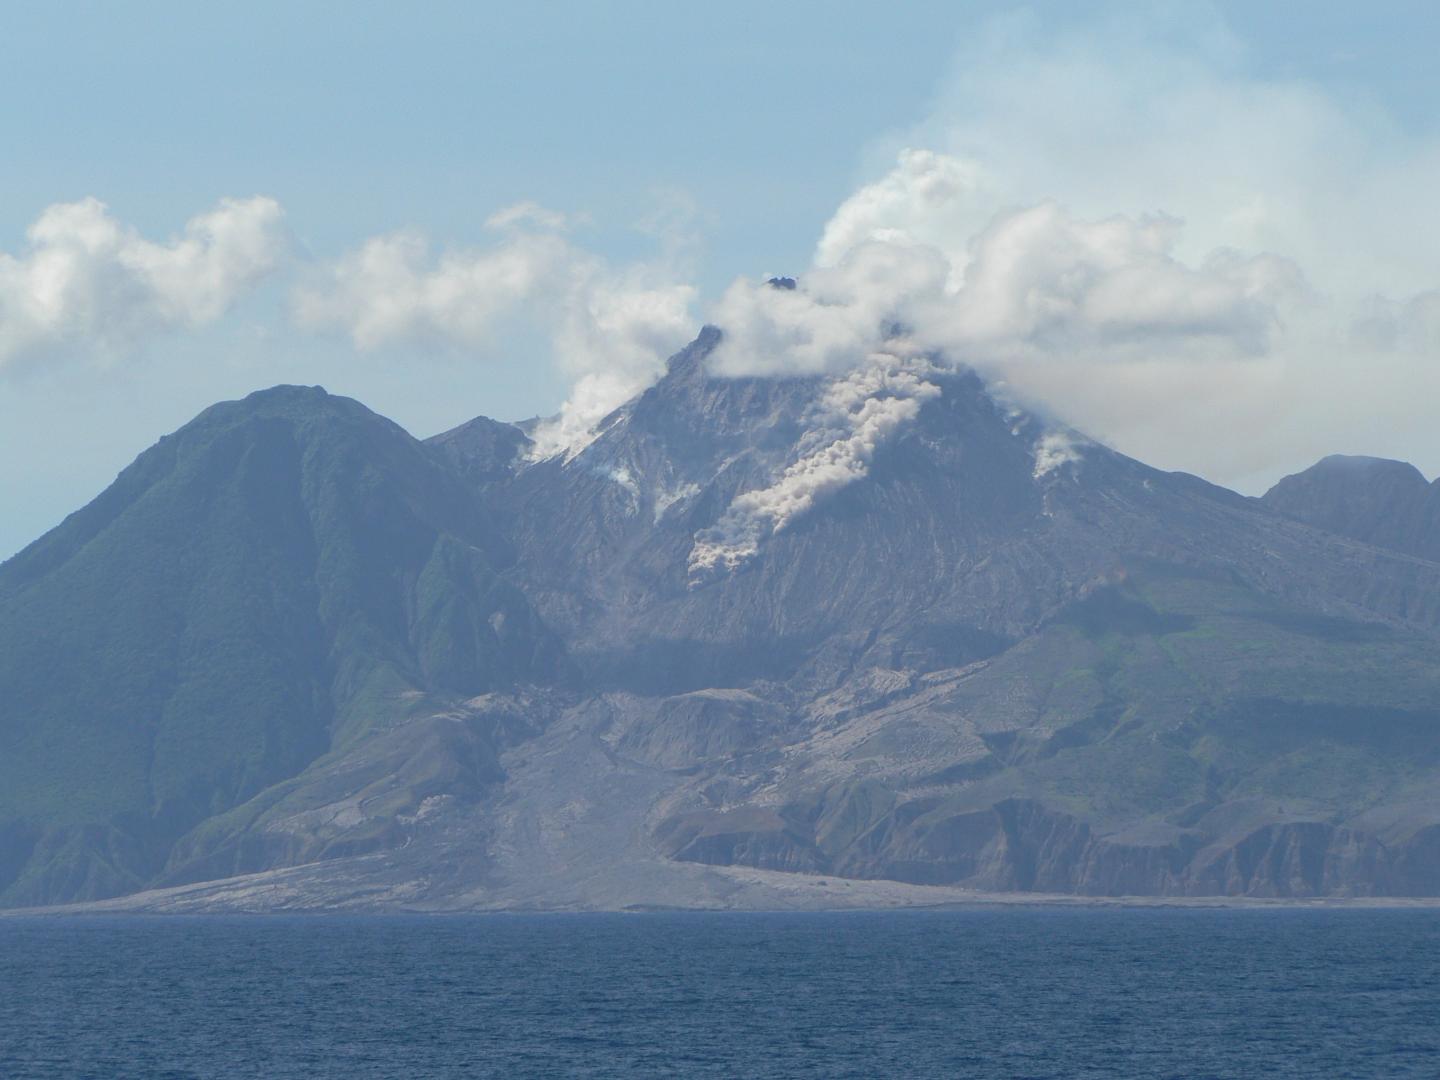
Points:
(760, 640)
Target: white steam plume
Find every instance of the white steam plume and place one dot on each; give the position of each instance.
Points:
(612, 336)
(1211, 269)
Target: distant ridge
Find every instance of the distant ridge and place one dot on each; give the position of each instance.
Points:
(1388, 503)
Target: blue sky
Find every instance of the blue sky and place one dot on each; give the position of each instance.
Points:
(685, 146)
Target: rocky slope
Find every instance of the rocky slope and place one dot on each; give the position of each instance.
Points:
(759, 639)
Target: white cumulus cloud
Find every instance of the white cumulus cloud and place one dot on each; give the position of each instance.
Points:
(609, 328)
(1213, 269)
(834, 318)
(395, 288)
(1039, 280)
(928, 197)
(1034, 283)
(88, 281)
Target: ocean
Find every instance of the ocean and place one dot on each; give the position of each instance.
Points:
(984, 992)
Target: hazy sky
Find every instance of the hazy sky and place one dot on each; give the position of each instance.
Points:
(1205, 235)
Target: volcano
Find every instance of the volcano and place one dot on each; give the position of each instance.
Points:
(882, 636)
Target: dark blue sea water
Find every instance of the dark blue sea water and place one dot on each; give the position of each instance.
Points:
(977, 993)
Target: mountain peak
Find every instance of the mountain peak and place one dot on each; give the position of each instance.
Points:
(1378, 500)
(287, 392)
(1352, 464)
(482, 450)
(286, 399)
(281, 402)
(691, 359)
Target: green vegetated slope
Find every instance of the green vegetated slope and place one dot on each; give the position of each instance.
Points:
(1177, 733)
(258, 589)
(1203, 691)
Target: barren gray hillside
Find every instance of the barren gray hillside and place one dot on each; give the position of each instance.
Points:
(825, 640)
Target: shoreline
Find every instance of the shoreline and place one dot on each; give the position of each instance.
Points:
(750, 891)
